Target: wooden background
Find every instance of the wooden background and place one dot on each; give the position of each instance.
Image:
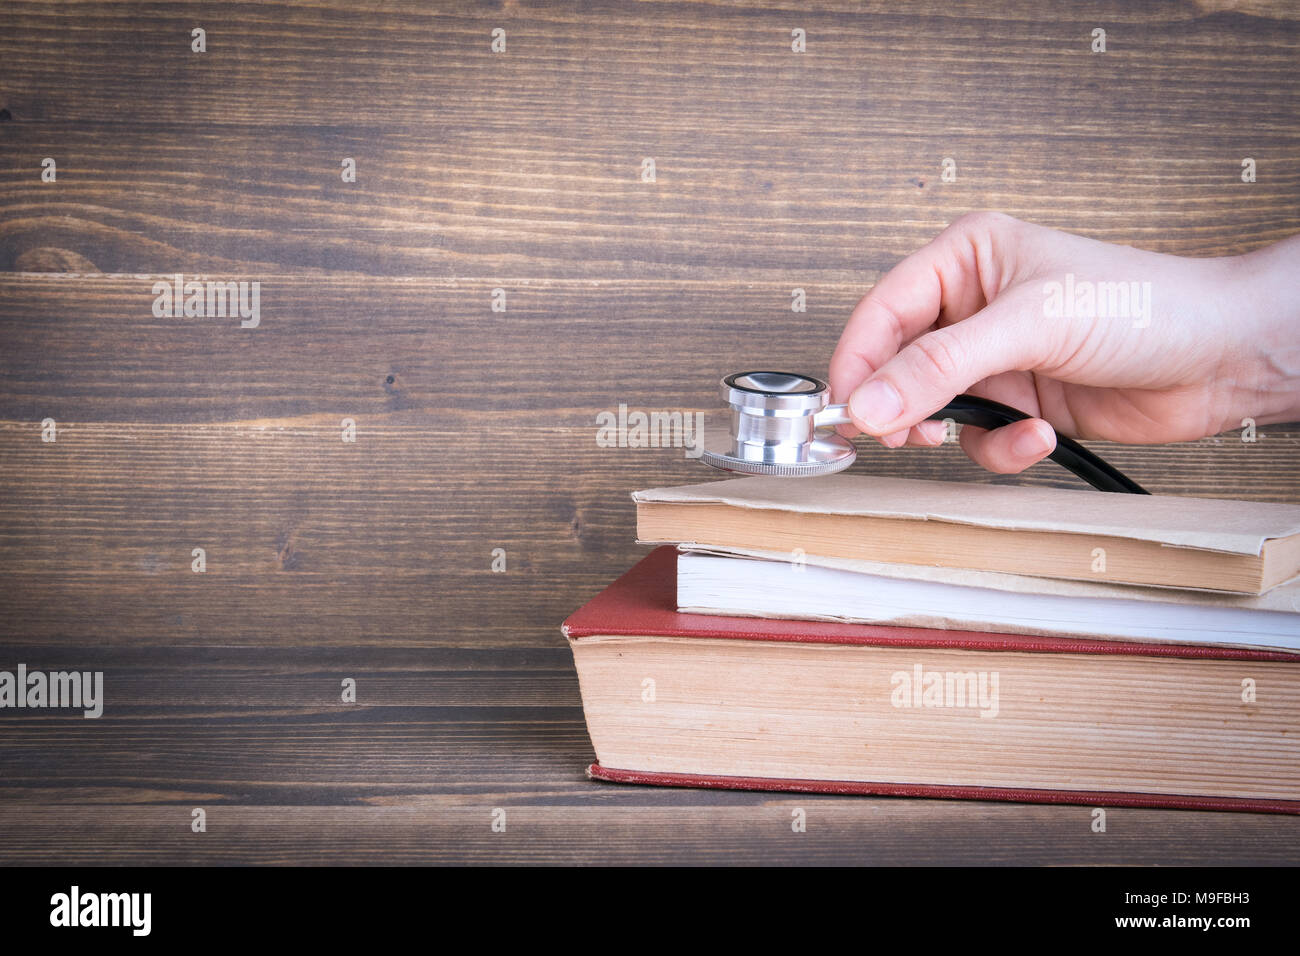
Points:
(476, 429)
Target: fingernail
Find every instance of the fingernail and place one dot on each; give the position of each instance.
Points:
(1032, 442)
(876, 404)
(934, 432)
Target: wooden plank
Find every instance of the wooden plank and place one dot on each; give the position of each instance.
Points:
(86, 349)
(92, 349)
(529, 163)
(234, 724)
(616, 827)
(689, 61)
(736, 204)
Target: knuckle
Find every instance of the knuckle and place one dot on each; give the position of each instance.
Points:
(891, 319)
(976, 219)
(939, 355)
(986, 221)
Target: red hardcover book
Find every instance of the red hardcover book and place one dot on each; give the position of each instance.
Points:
(699, 700)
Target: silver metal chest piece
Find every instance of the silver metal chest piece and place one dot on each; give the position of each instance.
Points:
(780, 425)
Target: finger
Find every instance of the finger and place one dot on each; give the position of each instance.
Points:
(925, 375)
(952, 277)
(927, 434)
(1011, 448)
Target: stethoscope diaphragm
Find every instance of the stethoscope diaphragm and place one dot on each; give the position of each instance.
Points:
(780, 425)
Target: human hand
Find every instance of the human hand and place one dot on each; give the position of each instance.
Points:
(1193, 348)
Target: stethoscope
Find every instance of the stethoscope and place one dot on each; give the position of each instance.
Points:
(781, 425)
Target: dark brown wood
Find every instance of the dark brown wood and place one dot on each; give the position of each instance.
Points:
(476, 429)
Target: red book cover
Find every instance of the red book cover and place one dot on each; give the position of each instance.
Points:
(643, 602)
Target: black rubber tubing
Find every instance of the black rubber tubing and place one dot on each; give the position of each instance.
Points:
(1069, 454)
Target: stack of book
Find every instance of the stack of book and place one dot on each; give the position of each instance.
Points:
(853, 634)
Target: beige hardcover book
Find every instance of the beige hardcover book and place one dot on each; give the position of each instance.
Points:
(707, 701)
(823, 711)
(1214, 544)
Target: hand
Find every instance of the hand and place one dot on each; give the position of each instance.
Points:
(1181, 349)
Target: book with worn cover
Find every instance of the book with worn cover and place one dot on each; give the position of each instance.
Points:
(1215, 544)
(711, 701)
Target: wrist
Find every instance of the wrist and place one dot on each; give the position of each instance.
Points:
(1262, 336)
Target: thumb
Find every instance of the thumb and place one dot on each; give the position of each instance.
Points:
(926, 374)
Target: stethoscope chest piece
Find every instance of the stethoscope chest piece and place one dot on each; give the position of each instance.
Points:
(780, 425)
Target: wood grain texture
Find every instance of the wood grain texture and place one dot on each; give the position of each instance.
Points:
(476, 429)
(528, 162)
